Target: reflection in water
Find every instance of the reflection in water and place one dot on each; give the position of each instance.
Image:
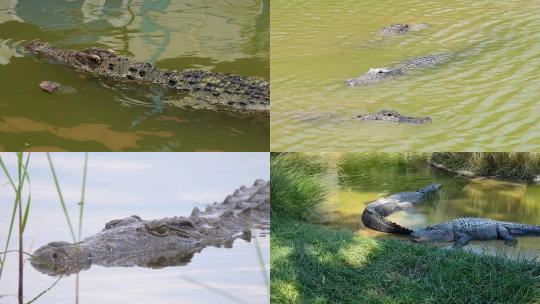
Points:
(146, 28)
(367, 177)
(101, 133)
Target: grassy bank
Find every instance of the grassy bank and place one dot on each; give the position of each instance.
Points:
(518, 165)
(313, 264)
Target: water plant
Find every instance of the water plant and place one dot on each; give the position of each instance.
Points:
(21, 212)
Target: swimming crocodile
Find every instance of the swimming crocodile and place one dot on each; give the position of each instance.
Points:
(374, 214)
(394, 116)
(463, 230)
(379, 74)
(206, 89)
(403, 28)
(164, 242)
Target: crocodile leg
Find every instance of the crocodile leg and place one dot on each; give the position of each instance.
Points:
(462, 239)
(505, 235)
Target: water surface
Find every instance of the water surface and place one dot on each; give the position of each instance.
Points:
(220, 36)
(484, 99)
(152, 186)
(367, 177)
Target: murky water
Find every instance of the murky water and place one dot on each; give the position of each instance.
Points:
(367, 177)
(484, 98)
(221, 36)
(152, 186)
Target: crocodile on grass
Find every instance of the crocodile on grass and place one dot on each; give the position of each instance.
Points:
(403, 28)
(206, 89)
(379, 74)
(394, 116)
(164, 242)
(375, 213)
(462, 230)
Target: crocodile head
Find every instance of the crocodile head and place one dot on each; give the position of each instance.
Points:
(391, 115)
(402, 28)
(87, 60)
(36, 46)
(374, 75)
(435, 233)
(430, 188)
(132, 239)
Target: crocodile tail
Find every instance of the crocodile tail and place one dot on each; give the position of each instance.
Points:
(523, 229)
(377, 222)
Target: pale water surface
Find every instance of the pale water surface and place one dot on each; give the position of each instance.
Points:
(485, 98)
(367, 177)
(151, 186)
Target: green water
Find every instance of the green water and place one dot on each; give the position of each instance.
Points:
(484, 99)
(97, 115)
(367, 177)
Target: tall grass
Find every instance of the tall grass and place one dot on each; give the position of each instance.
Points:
(516, 165)
(76, 239)
(297, 187)
(22, 176)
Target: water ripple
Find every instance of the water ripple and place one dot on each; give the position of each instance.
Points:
(485, 98)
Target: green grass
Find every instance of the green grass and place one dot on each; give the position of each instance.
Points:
(517, 165)
(296, 184)
(313, 264)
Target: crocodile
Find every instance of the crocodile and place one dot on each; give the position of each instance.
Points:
(394, 116)
(374, 214)
(159, 243)
(462, 230)
(379, 74)
(204, 89)
(403, 28)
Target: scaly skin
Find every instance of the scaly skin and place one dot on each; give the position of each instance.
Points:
(393, 116)
(462, 230)
(165, 242)
(208, 90)
(401, 28)
(380, 74)
(374, 216)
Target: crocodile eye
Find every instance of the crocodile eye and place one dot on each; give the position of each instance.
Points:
(162, 229)
(54, 255)
(429, 228)
(389, 114)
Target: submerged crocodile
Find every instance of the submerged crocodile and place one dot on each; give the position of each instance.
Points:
(164, 242)
(394, 116)
(206, 89)
(379, 74)
(403, 28)
(375, 212)
(463, 230)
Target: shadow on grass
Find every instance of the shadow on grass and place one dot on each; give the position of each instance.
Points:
(313, 264)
